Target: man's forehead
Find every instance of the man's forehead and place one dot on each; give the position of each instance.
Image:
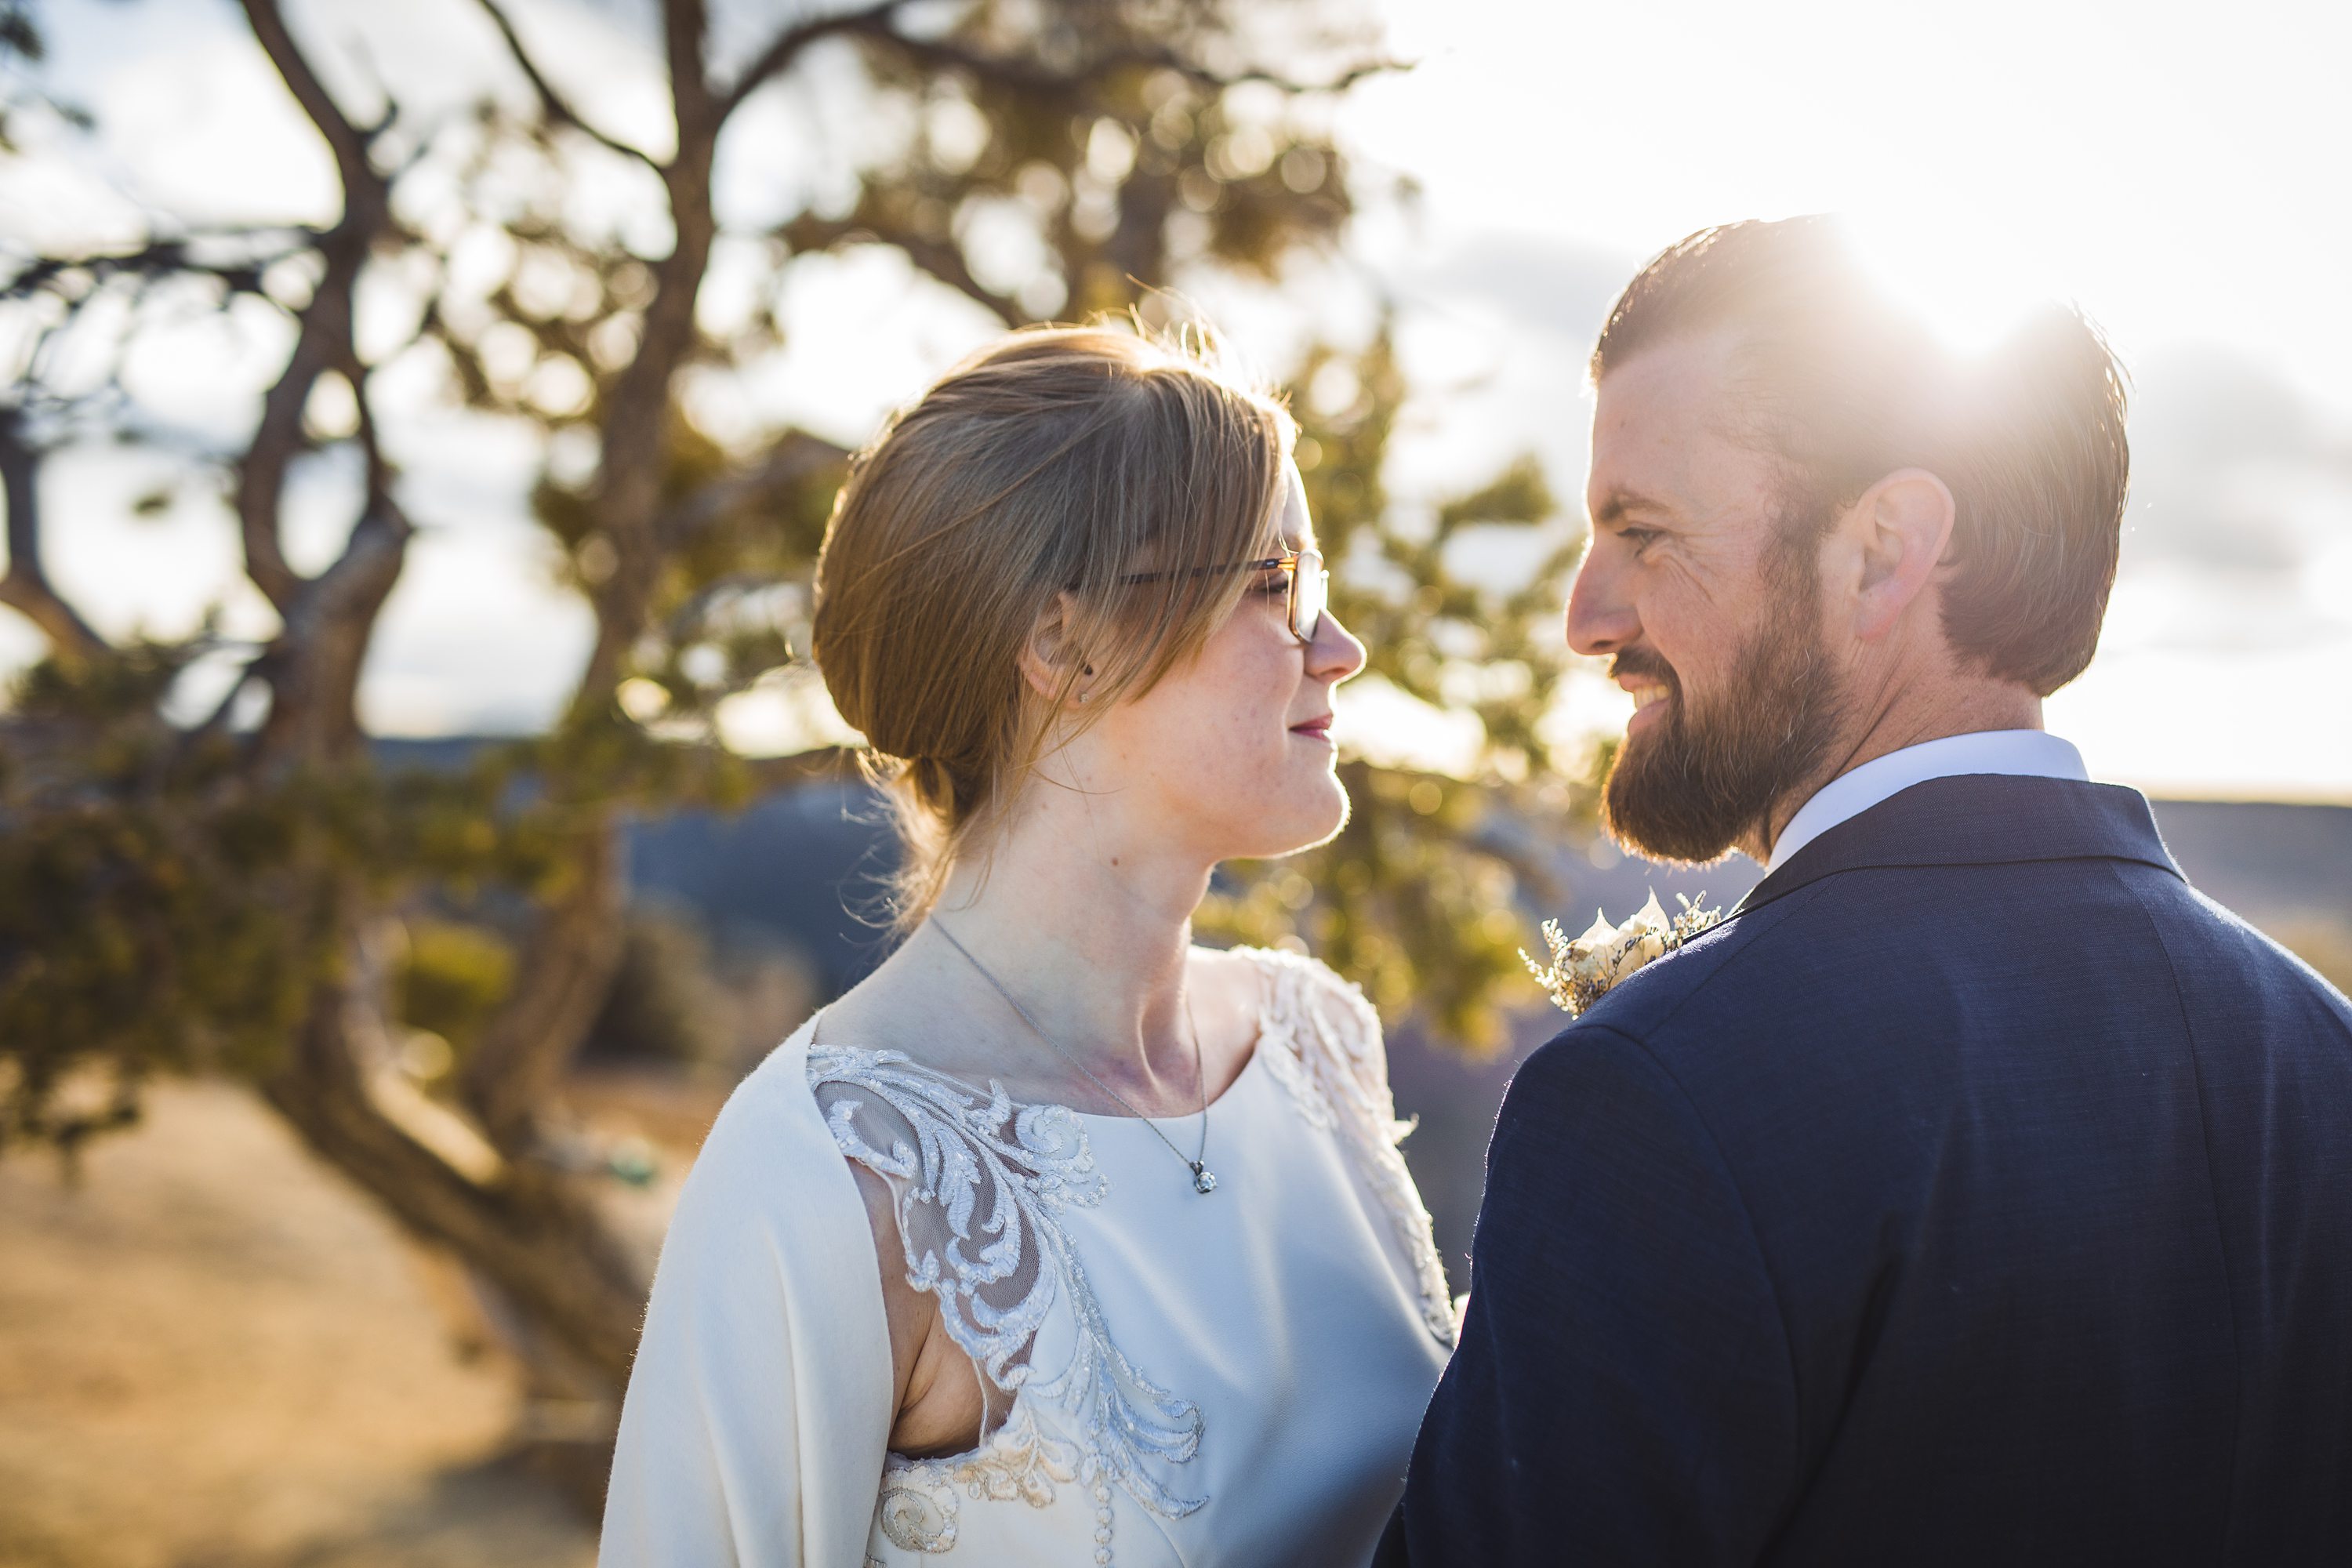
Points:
(1684, 383)
(1662, 423)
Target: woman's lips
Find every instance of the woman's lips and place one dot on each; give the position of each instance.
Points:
(1314, 728)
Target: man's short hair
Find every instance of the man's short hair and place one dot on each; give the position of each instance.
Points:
(1845, 385)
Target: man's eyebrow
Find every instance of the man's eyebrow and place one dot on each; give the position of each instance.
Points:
(1617, 503)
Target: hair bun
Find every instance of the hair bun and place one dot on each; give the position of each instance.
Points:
(934, 783)
(1052, 463)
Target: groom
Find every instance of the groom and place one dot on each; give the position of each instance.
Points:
(1978, 1192)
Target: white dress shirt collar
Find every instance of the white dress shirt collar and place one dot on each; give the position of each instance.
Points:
(2033, 752)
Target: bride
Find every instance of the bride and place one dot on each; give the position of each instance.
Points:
(1153, 1284)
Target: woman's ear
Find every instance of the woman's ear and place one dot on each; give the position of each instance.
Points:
(1049, 652)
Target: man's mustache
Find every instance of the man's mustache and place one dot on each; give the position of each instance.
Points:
(1640, 662)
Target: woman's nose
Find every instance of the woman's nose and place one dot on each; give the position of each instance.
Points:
(1333, 653)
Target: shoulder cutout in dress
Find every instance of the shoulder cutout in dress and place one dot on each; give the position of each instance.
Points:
(978, 1186)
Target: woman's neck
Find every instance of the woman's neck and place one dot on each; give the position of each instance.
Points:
(1087, 929)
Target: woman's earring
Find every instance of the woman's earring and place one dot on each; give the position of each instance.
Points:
(1085, 695)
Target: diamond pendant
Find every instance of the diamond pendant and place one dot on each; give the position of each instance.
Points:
(1202, 1181)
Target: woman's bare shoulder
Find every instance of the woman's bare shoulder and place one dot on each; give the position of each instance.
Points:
(907, 1004)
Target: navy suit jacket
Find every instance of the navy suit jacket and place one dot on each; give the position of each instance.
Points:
(1980, 1193)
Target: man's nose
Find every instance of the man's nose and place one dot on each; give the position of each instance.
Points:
(1601, 618)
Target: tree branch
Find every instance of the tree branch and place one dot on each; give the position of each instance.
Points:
(314, 664)
(565, 970)
(686, 28)
(531, 1234)
(793, 458)
(788, 45)
(942, 259)
(553, 104)
(162, 259)
(636, 423)
(1026, 76)
(874, 23)
(567, 962)
(346, 141)
(218, 720)
(323, 339)
(26, 586)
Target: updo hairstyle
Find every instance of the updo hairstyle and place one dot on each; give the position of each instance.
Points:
(1057, 459)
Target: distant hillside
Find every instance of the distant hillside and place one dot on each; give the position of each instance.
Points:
(787, 866)
(2268, 862)
(795, 867)
(797, 863)
(792, 868)
(804, 866)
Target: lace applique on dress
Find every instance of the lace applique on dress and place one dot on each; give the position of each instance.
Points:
(1324, 1045)
(978, 1186)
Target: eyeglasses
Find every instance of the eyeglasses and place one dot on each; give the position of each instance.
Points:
(1310, 584)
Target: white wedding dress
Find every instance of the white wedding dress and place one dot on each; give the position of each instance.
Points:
(1228, 1378)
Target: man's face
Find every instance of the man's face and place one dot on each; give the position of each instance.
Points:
(1708, 607)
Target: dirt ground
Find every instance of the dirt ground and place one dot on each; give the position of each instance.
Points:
(213, 1355)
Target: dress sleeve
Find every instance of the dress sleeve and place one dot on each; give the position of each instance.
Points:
(1336, 1033)
(1623, 1391)
(758, 1411)
(1350, 1031)
(1328, 1043)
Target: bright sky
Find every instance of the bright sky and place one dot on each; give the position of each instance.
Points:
(2183, 180)
(2179, 174)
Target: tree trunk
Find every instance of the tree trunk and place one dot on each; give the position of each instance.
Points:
(562, 1292)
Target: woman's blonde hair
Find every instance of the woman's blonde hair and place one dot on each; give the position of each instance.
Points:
(1058, 460)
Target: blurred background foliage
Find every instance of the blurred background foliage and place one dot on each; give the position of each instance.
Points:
(1413, 899)
(207, 861)
(433, 961)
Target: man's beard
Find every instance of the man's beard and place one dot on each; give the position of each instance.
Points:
(1703, 778)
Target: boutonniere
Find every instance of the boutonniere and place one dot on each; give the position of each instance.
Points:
(1584, 970)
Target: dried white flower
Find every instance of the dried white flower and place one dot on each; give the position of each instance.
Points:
(1583, 970)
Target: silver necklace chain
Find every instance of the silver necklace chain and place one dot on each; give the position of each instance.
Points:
(1203, 1180)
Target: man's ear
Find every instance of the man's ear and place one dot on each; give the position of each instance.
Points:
(1902, 526)
(1048, 653)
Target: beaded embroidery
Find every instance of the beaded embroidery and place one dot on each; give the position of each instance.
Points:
(978, 1186)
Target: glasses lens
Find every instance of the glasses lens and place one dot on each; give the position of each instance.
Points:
(1311, 586)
